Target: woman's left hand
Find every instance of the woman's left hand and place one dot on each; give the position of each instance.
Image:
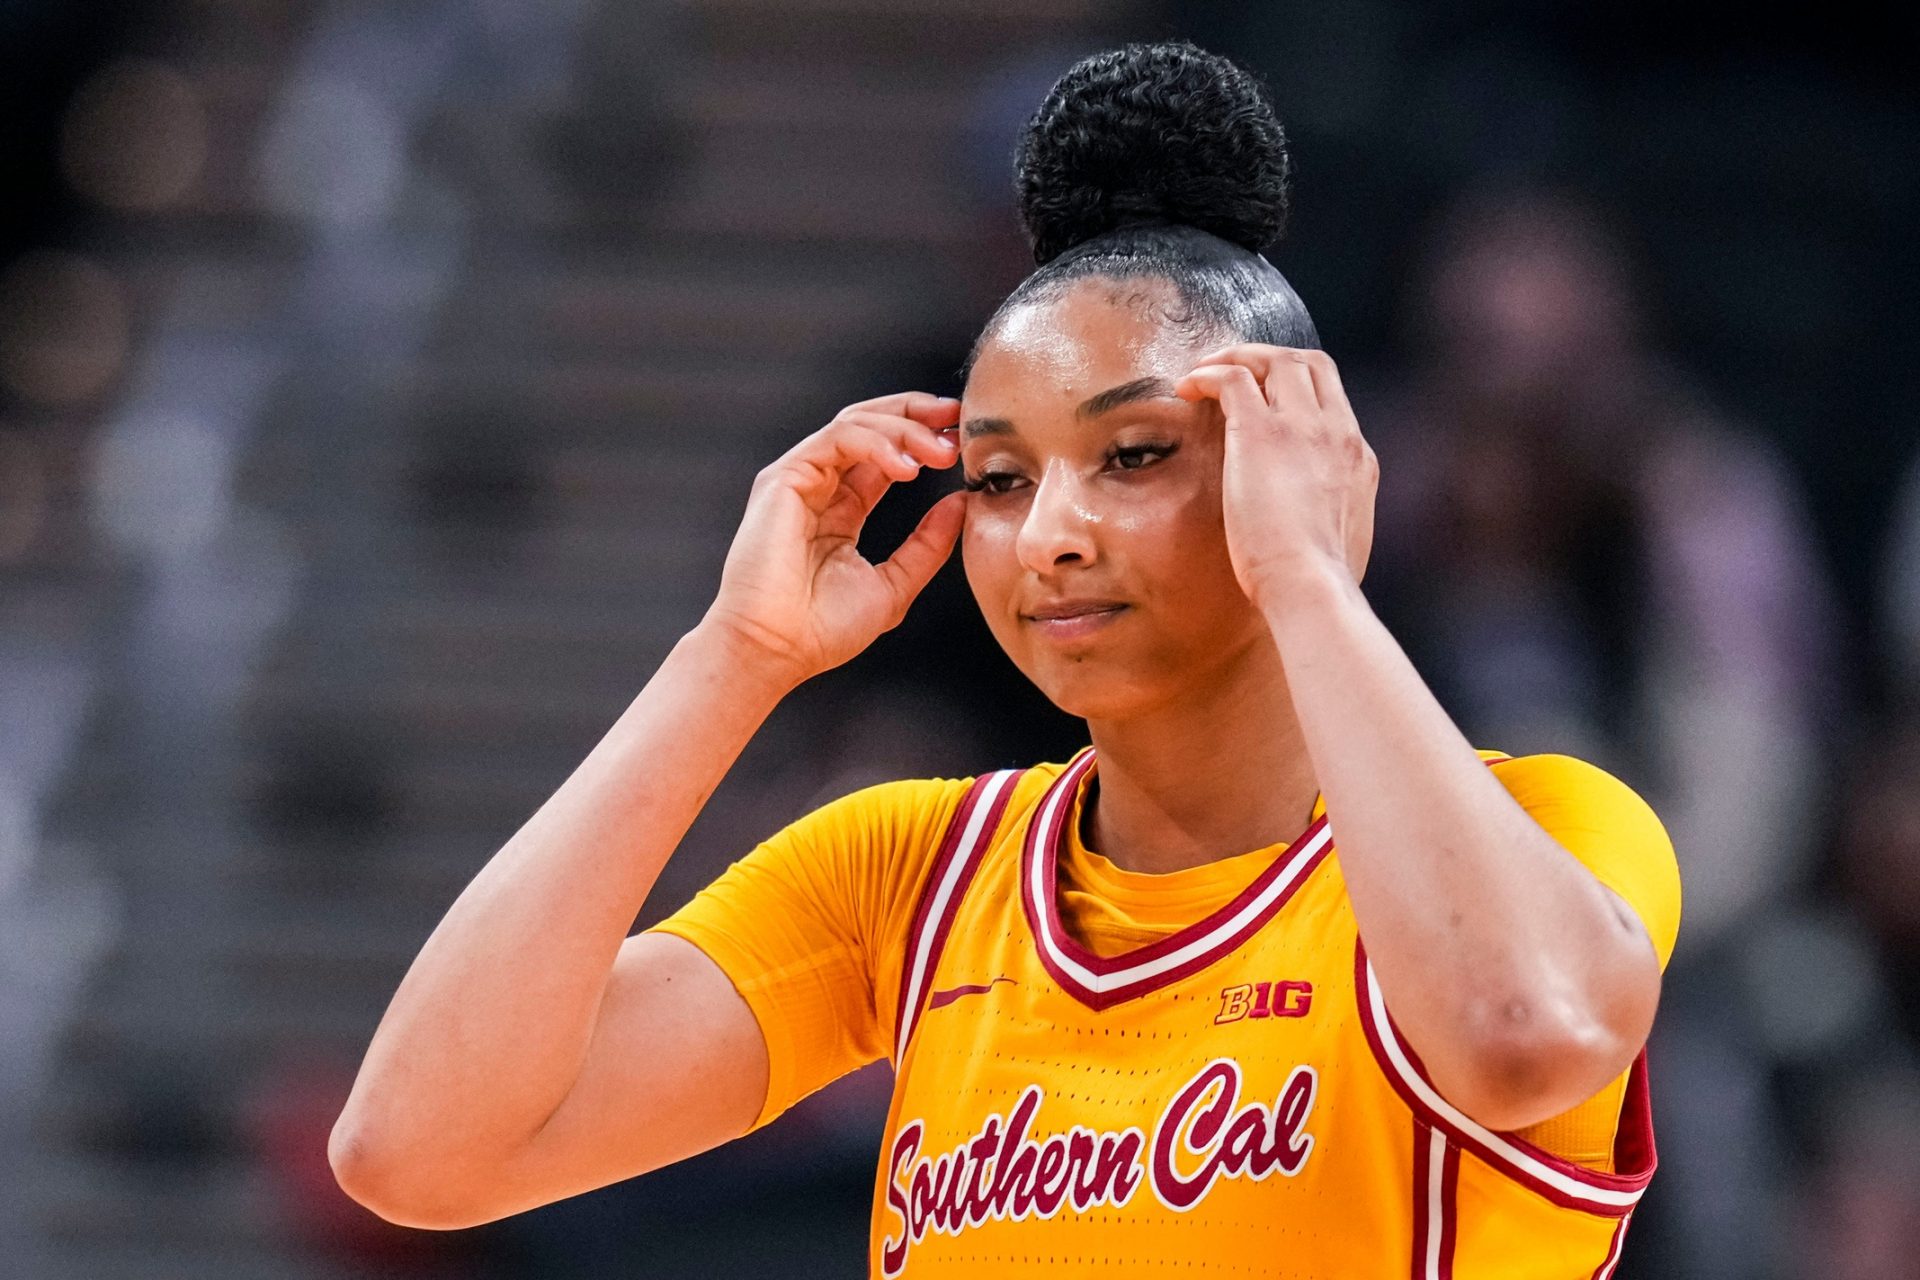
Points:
(1299, 480)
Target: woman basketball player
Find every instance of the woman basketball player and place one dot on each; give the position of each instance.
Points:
(1279, 976)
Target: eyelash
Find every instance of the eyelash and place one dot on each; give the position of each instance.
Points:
(979, 483)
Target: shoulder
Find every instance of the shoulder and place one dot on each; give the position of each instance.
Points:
(874, 851)
(1560, 783)
(911, 815)
(888, 833)
(892, 805)
(1608, 826)
(907, 823)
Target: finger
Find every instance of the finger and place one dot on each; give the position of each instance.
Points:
(1233, 385)
(851, 443)
(1284, 372)
(858, 494)
(928, 445)
(1257, 356)
(1327, 388)
(929, 410)
(815, 467)
(1289, 381)
(1249, 353)
(908, 570)
(888, 442)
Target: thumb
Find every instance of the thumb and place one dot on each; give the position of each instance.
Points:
(908, 570)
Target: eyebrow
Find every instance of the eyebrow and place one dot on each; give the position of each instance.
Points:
(1093, 406)
(1148, 388)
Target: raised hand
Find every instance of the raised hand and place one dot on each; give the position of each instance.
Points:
(1299, 480)
(795, 587)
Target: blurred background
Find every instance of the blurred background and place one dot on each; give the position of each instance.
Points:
(381, 382)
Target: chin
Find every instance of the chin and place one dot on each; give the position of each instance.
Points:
(1093, 690)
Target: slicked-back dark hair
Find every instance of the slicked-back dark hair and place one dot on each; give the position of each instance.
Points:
(1160, 162)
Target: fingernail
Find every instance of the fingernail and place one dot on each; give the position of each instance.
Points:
(909, 459)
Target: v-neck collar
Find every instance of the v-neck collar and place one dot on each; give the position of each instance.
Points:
(1102, 981)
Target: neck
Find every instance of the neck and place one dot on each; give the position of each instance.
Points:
(1218, 771)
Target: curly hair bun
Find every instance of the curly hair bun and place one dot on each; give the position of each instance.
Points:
(1157, 133)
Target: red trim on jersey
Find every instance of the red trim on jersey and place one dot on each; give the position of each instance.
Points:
(949, 845)
(911, 1001)
(1634, 1155)
(1040, 860)
(1422, 1194)
(1605, 1270)
(1436, 1211)
(1449, 1209)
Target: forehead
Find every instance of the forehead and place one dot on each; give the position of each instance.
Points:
(1095, 334)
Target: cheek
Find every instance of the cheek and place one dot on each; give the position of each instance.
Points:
(1181, 524)
(1184, 551)
(987, 557)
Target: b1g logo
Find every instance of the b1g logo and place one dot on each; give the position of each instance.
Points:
(1264, 1000)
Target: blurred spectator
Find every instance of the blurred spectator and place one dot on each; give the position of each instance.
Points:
(1900, 589)
(1589, 558)
(1878, 856)
(1864, 1214)
(1585, 556)
(1858, 1090)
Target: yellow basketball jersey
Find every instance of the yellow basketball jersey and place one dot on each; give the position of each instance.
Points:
(1233, 1099)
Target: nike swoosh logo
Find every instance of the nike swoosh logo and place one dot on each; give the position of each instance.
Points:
(947, 997)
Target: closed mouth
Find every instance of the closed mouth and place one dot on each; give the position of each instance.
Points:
(1077, 611)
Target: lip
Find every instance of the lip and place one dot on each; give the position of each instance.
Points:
(1070, 622)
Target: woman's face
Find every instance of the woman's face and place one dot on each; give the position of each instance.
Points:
(1099, 486)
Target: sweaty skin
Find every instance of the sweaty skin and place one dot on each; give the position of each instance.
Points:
(1189, 666)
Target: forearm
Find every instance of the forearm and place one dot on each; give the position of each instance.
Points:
(487, 1032)
(1499, 953)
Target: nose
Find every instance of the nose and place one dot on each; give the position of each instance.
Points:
(1060, 522)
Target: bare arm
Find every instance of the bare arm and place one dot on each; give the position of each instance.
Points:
(534, 1050)
(1524, 983)
(498, 1015)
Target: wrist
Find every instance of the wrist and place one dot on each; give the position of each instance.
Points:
(1306, 587)
(741, 661)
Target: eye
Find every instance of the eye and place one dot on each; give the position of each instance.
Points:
(1134, 456)
(984, 482)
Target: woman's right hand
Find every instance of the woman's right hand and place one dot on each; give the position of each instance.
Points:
(795, 586)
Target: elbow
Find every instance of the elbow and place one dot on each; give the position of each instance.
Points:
(1528, 1069)
(406, 1192)
(1540, 1049)
(1516, 1086)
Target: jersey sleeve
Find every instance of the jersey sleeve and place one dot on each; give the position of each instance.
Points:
(808, 923)
(1612, 831)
